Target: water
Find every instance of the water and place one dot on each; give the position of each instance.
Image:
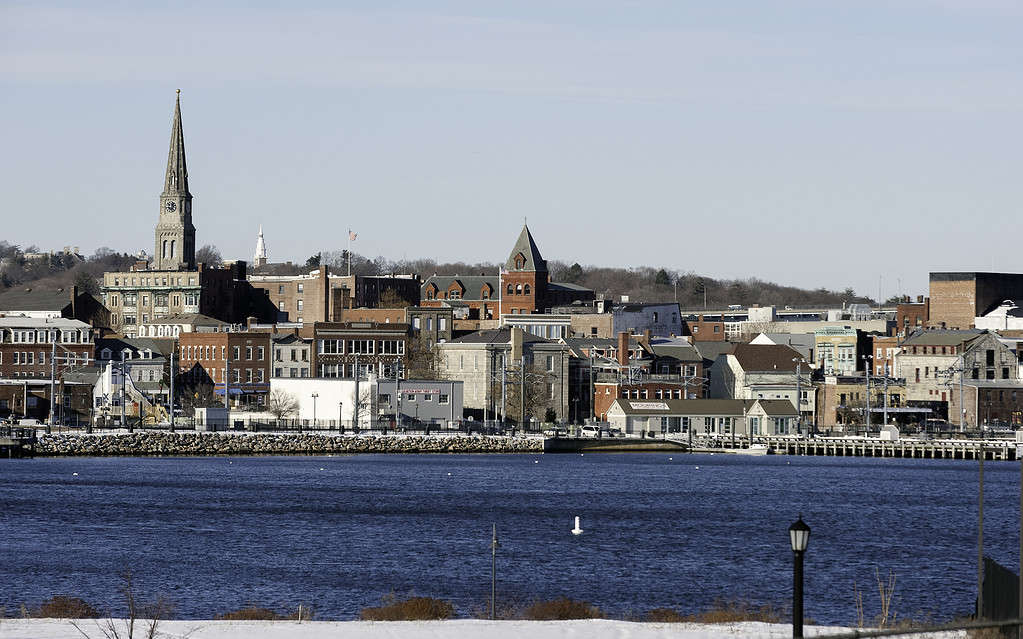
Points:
(337, 533)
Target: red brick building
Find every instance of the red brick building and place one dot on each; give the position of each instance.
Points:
(523, 286)
(910, 316)
(27, 344)
(341, 347)
(243, 359)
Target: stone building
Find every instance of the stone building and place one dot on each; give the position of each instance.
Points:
(173, 283)
(483, 359)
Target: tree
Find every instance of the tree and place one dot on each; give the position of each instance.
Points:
(662, 278)
(86, 283)
(314, 261)
(209, 255)
(421, 360)
(281, 404)
(574, 273)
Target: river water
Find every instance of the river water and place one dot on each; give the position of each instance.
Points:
(216, 533)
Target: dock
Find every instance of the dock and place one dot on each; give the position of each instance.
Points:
(612, 445)
(17, 442)
(993, 449)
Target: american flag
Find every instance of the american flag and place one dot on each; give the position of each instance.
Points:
(352, 236)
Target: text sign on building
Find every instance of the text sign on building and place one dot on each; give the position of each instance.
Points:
(421, 391)
(648, 405)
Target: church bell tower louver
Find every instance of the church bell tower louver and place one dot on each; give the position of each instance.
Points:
(175, 234)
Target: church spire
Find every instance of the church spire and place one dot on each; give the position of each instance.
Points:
(260, 258)
(176, 180)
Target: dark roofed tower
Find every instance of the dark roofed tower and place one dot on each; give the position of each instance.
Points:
(524, 278)
(175, 234)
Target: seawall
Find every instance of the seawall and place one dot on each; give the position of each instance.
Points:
(166, 443)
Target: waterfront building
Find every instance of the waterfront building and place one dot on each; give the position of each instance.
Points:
(752, 371)
(703, 417)
(235, 362)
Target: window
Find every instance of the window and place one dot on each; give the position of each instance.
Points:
(260, 351)
(427, 397)
(298, 305)
(518, 289)
(442, 323)
(525, 289)
(236, 353)
(277, 372)
(410, 397)
(511, 290)
(443, 399)
(280, 289)
(248, 352)
(301, 287)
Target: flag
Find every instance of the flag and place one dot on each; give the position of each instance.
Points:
(352, 236)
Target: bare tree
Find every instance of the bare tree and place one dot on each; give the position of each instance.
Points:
(281, 404)
(209, 255)
(421, 360)
(147, 615)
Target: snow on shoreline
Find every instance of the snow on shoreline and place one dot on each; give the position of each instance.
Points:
(453, 629)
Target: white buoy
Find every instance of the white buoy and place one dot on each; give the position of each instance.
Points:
(671, 459)
(697, 468)
(536, 461)
(74, 474)
(321, 469)
(449, 474)
(577, 530)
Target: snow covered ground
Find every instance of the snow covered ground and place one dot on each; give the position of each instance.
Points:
(456, 629)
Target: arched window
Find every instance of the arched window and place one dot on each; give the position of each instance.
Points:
(518, 289)
(511, 290)
(163, 253)
(173, 242)
(525, 289)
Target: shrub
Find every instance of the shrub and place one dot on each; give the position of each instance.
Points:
(65, 608)
(727, 611)
(250, 613)
(561, 608)
(411, 609)
(665, 615)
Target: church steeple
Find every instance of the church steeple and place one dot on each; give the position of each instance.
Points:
(176, 181)
(260, 258)
(175, 234)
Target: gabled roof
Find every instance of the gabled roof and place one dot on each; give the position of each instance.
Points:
(711, 350)
(778, 407)
(159, 348)
(473, 285)
(194, 319)
(36, 299)
(766, 357)
(495, 336)
(941, 337)
(726, 407)
(527, 247)
(678, 349)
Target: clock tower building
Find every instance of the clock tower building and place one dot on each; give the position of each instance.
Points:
(175, 234)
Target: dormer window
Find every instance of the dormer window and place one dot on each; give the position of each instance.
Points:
(520, 261)
(105, 353)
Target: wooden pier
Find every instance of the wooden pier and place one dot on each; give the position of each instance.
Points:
(17, 442)
(993, 449)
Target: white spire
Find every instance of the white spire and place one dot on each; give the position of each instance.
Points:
(260, 259)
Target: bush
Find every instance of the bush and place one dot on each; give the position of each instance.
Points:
(250, 613)
(411, 609)
(61, 607)
(561, 608)
(664, 615)
(727, 611)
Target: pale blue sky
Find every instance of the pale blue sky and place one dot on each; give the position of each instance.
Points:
(815, 143)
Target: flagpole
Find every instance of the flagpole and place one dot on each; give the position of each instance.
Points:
(350, 253)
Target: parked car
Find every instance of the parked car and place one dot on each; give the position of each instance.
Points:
(615, 432)
(556, 431)
(590, 431)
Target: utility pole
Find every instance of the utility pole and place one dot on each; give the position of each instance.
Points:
(53, 376)
(799, 396)
(171, 402)
(962, 408)
(886, 393)
(868, 360)
(355, 374)
(504, 390)
(593, 407)
(227, 375)
(123, 422)
(522, 394)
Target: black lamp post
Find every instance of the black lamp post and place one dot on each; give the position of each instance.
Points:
(799, 536)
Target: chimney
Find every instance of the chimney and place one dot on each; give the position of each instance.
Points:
(74, 302)
(516, 344)
(919, 299)
(623, 349)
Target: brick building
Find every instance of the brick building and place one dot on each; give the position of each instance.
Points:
(957, 298)
(27, 344)
(911, 316)
(238, 361)
(704, 330)
(883, 350)
(523, 286)
(320, 296)
(341, 348)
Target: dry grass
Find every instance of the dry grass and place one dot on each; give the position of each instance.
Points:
(665, 615)
(729, 611)
(560, 609)
(250, 613)
(411, 609)
(61, 607)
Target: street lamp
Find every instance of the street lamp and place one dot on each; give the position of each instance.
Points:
(868, 363)
(799, 537)
(340, 424)
(799, 393)
(315, 395)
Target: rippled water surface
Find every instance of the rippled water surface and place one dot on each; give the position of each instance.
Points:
(215, 534)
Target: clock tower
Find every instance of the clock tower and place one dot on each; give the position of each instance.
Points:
(175, 234)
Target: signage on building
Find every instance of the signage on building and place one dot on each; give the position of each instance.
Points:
(648, 405)
(421, 391)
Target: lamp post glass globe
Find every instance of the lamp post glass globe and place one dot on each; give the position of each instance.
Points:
(799, 535)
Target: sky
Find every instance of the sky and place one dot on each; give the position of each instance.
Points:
(817, 143)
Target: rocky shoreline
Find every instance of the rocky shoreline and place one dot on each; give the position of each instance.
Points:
(203, 443)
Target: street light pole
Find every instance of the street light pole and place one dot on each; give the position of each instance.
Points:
(315, 395)
(868, 363)
(493, 575)
(799, 537)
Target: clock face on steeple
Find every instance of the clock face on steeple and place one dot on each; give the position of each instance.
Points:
(170, 206)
